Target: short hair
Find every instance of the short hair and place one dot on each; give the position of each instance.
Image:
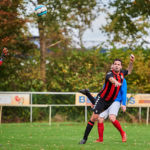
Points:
(117, 60)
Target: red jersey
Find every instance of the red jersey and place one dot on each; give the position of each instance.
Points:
(110, 92)
(1, 62)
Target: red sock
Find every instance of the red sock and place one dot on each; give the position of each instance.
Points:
(118, 126)
(100, 130)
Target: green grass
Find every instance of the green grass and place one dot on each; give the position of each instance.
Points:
(66, 136)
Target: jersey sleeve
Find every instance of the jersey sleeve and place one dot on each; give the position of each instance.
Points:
(124, 92)
(125, 72)
(1, 61)
(109, 75)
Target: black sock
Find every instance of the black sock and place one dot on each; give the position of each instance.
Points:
(91, 98)
(88, 129)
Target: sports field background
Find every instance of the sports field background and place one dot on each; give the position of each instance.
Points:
(66, 136)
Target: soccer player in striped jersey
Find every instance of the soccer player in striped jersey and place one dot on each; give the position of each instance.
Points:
(3, 55)
(108, 94)
(112, 112)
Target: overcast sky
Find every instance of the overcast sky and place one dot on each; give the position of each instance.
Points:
(92, 37)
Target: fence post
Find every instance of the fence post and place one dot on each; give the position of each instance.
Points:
(85, 113)
(1, 107)
(140, 110)
(31, 108)
(147, 115)
(50, 114)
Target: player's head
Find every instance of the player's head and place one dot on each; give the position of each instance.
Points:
(117, 65)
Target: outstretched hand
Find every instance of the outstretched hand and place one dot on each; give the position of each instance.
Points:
(5, 52)
(114, 81)
(117, 84)
(132, 58)
(123, 107)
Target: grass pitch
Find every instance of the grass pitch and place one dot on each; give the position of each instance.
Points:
(66, 136)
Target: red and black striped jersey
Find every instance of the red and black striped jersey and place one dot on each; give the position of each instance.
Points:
(109, 91)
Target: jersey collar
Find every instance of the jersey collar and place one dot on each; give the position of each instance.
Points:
(115, 72)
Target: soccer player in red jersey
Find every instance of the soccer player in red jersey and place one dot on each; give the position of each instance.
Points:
(112, 112)
(3, 55)
(108, 94)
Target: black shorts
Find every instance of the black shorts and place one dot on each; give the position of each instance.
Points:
(101, 105)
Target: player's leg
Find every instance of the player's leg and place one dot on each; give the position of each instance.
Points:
(89, 127)
(98, 108)
(100, 124)
(117, 124)
(113, 112)
(88, 94)
(100, 127)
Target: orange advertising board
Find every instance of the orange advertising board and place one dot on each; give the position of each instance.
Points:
(133, 100)
(138, 100)
(83, 100)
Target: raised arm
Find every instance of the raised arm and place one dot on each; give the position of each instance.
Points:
(130, 67)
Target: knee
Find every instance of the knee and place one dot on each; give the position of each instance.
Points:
(100, 120)
(94, 118)
(112, 118)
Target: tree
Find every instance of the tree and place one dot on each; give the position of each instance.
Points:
(128, 21)
(10, 23)
(13, 36)
(57, 25)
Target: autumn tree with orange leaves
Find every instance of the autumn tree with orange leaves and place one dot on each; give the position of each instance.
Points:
(12, 26)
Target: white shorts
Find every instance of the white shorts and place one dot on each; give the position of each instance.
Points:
(111, 110)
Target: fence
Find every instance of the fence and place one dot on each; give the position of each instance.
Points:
(53, 105)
